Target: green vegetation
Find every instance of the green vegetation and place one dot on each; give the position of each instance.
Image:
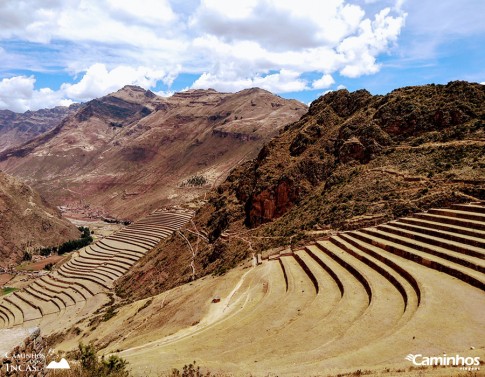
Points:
(70, 245)
(110, 313)
(7, 290)
(90, 365)
(85, 240)
(190, 370)
(195, 181)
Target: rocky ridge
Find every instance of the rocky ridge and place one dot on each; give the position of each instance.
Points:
(17, 129)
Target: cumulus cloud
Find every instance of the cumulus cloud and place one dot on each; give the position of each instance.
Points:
(18, 94)
(230, 45)
(360, 51)
(282, 81)
(324, 82)
(258, 37)
(99, 81)
(106, 21)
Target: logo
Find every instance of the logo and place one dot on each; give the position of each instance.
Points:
(465, 363)
(24, 362)
(411, 358)
(63, 364)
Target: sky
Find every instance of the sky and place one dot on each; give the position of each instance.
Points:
(56, 52)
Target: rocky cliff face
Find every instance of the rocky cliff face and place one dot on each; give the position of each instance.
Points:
(16, 129)
(27, 222)
(131, 151)
(271, 202)
(352, 160)
(359, 131)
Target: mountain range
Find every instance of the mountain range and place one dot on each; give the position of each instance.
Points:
(19, 128)
(129, 152)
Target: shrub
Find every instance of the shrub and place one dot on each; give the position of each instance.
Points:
(85, 232)
(92, 366)
(71, 245)
(190, 370)
(74, 245)
(45, 251)
(196, 180)
(110, 313)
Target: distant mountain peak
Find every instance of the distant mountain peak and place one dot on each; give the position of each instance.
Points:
(254, 90)
(133, 93)
(194, 93)
(131, 88)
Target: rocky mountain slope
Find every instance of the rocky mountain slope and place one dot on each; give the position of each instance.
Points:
(27, 222)
(132, 151)
(16, 129)
(353, 160)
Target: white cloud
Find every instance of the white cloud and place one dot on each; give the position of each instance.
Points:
(231, 45)
(18, 94)
(325, 81)
(152, 11)
(99, 81)
(283, 81)
(360, 51)
(165, 93)
(258, 37)
(106, 21)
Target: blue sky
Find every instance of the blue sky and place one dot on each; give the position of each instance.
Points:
(55, 52)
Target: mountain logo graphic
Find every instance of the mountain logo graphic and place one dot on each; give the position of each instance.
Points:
(411, 357)
(63, 364)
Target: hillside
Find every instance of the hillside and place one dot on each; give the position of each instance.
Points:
(353, 160)
(354, 304)
(16, 129)
(132, 151)
(27, 221)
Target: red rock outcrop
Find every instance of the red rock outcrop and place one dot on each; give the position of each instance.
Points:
(352, 149)
(271, 203)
